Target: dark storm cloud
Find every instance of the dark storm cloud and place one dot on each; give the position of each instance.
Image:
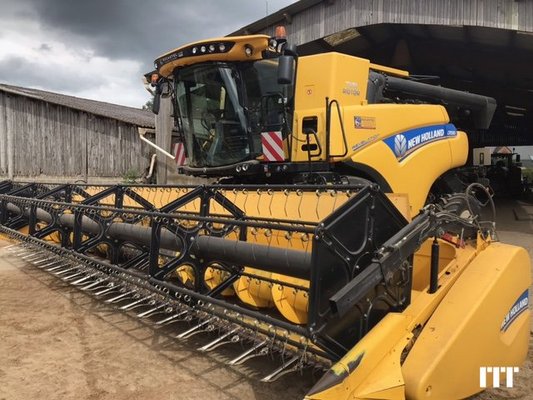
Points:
(142, 30)
(79, 46)
(23, 72)
(44, 47)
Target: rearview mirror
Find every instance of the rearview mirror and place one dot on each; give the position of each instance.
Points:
(285, 69)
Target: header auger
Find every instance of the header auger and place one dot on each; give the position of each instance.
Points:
(321, 241)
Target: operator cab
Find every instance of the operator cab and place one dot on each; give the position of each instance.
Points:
(226, 93)
(224, 107)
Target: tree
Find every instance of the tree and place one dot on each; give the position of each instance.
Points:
(148, 104)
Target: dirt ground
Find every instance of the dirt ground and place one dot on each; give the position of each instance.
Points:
(59, 343)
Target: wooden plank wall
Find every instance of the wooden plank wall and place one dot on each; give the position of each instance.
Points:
(40, 139)
(3, 137)
(328, 17)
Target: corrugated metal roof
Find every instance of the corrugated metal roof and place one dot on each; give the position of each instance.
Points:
(308, 20)
(130, 115)
(283, 15)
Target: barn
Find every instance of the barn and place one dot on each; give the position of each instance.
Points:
(480, 46)
(47, 136)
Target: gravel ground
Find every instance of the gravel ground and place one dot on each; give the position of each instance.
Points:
(58, 343)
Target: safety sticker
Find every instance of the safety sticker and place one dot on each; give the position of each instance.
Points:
(179, 154)
(364, 122)
(272, 143)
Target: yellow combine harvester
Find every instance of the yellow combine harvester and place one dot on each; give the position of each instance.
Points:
(318, 242)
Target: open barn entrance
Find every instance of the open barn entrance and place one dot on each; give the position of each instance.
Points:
(488, 61)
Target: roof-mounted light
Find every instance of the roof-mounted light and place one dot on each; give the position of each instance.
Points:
(281, 33)
(195, 50)
(279, 39)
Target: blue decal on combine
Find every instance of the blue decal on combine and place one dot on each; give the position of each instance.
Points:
(405, 143)
(517, 308)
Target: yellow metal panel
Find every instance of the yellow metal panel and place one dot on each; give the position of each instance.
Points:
(422, 262)
(465, 334)
(364, 357)
(386, 380)
(414, 174)
(387, 120)
(345, 81)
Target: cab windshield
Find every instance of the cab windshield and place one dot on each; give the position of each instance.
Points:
(224, 108)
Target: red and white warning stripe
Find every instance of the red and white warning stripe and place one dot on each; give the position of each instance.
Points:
(179, 154)
(272, 146)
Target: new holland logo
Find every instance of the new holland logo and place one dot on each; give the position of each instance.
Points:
(405, 143)
(400, 145)
(517, 308)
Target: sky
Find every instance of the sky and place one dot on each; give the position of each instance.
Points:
(99, 49)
